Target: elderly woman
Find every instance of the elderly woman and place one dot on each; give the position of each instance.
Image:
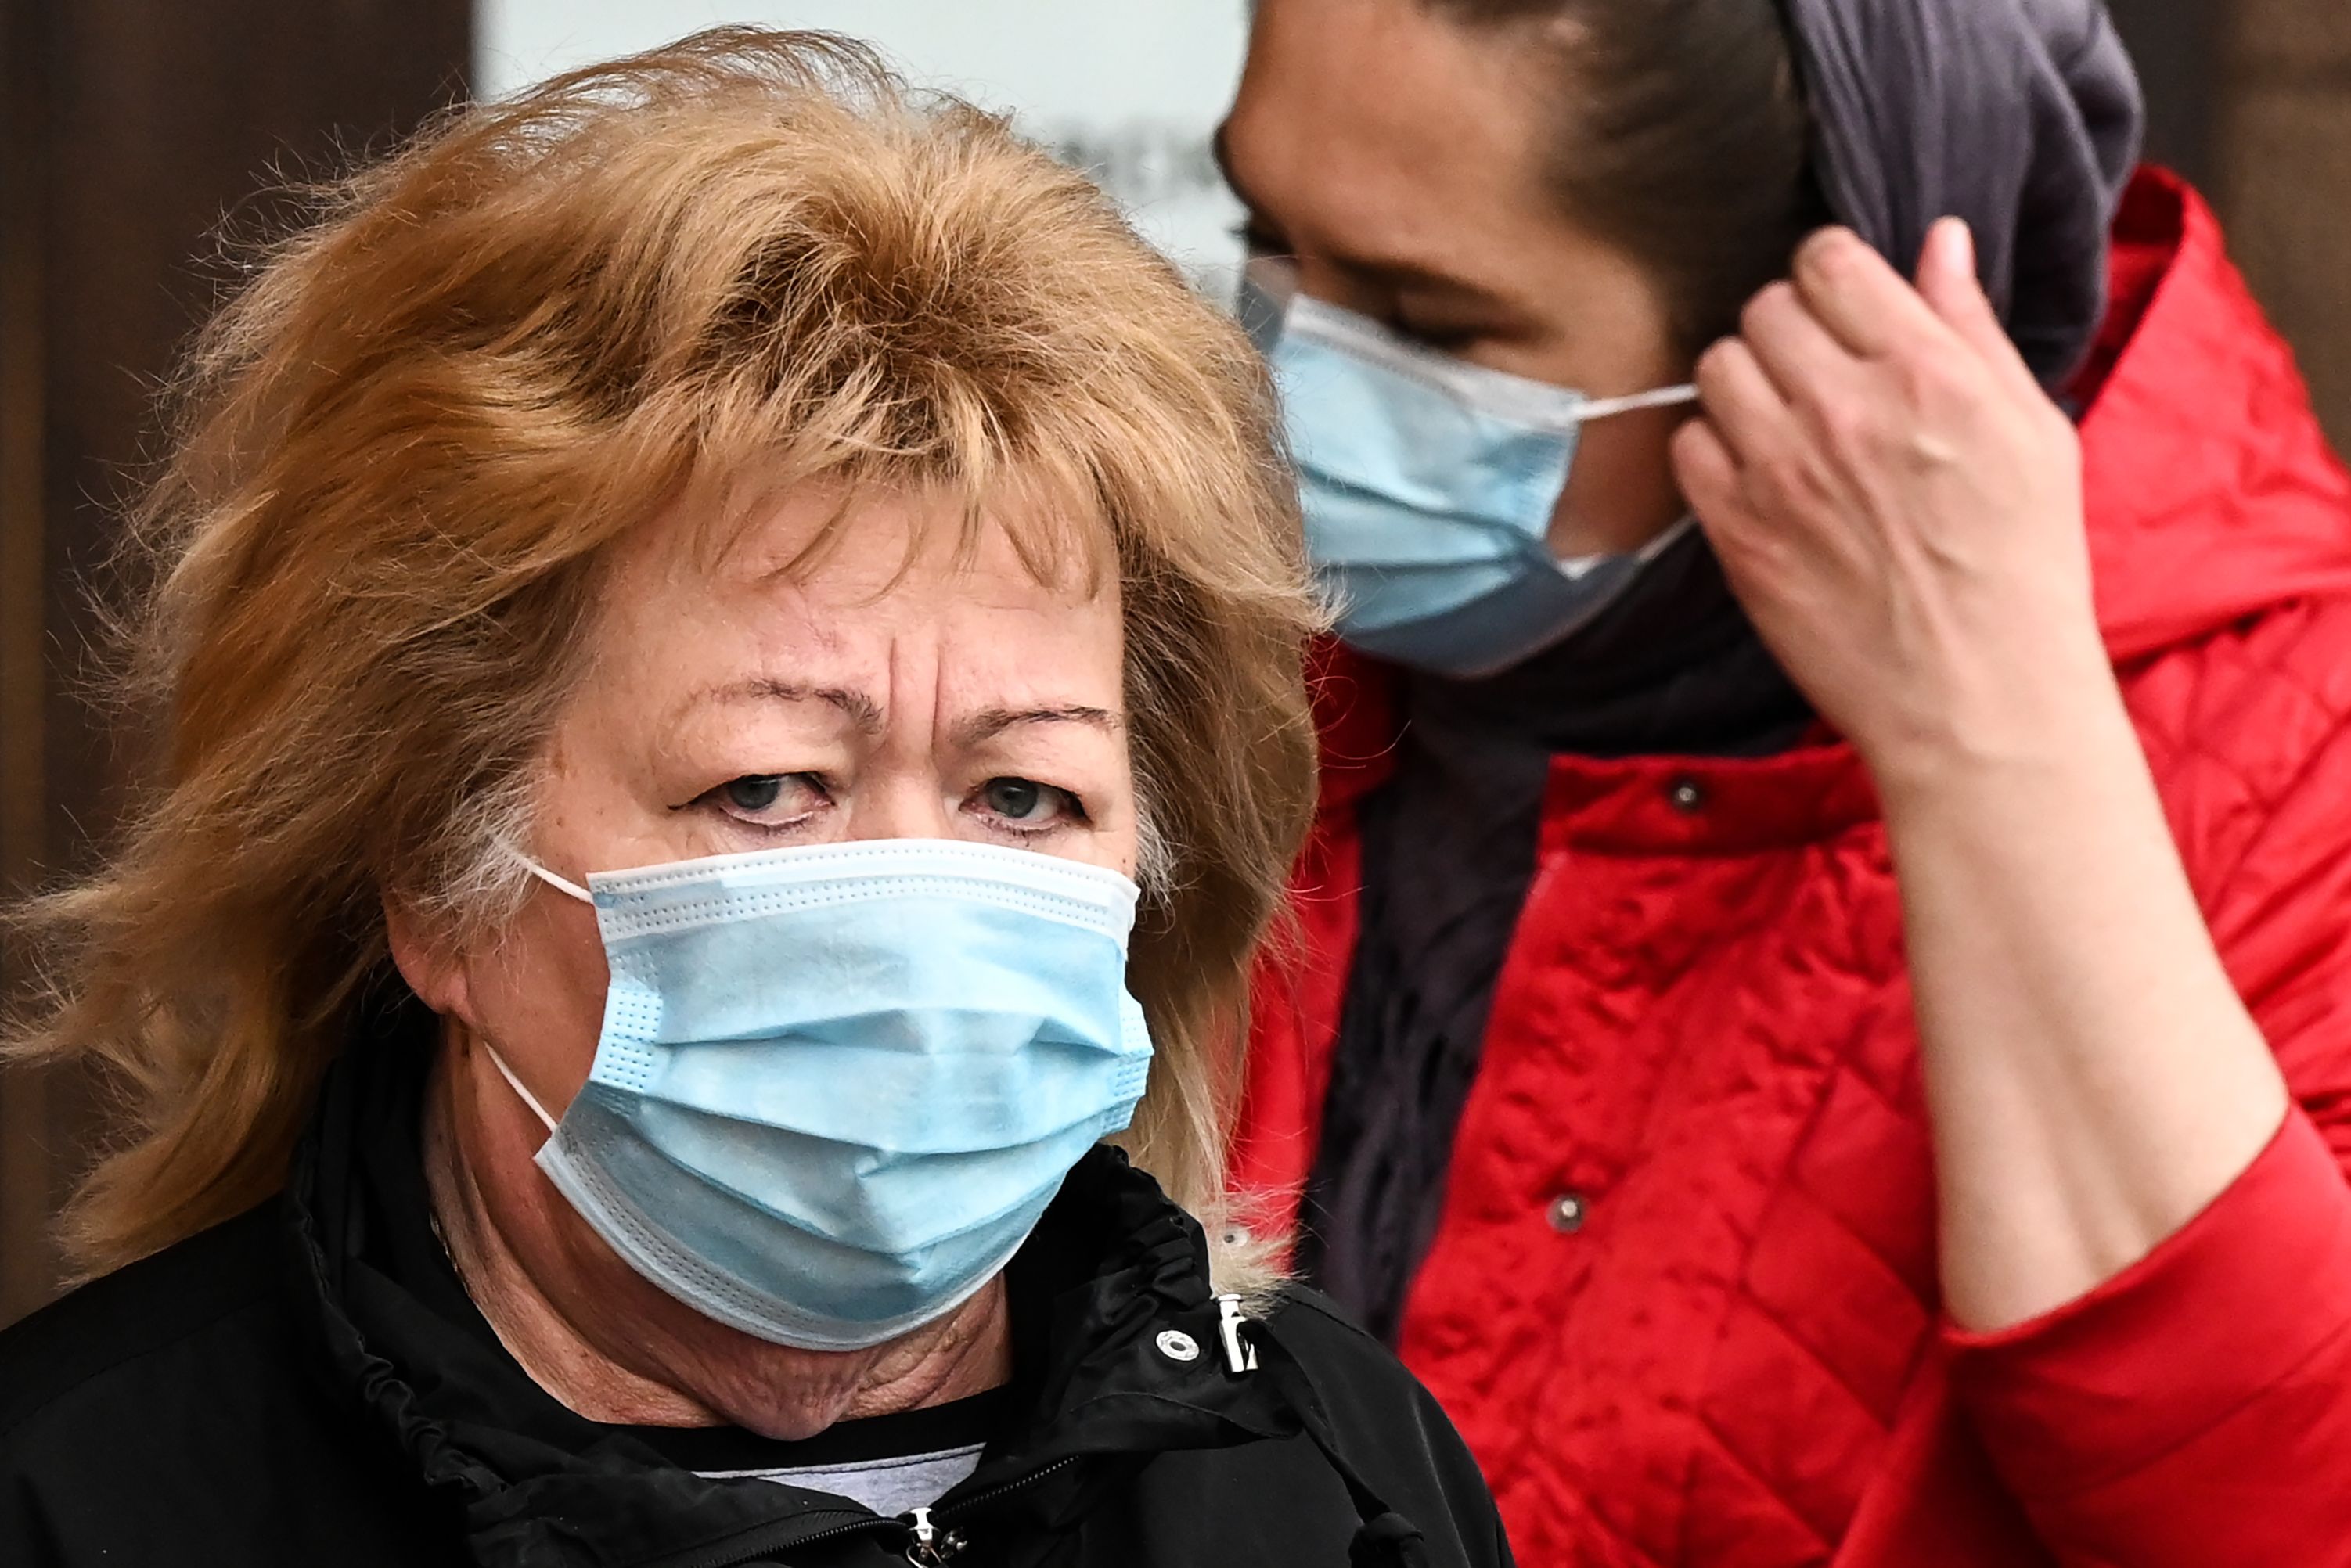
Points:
(700, 607)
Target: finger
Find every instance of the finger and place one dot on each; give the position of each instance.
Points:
(1950, 283)
(1803, 359)
(1864, 302)
(1746, 410)
(1709, 477)
(1716, 489)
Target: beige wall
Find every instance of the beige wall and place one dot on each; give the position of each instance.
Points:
(2281, 171)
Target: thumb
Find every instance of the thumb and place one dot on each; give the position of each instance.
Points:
(1948, 282)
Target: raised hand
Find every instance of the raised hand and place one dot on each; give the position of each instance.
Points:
(1898, 506)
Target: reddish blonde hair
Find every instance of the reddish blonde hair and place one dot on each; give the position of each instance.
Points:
(406, 445)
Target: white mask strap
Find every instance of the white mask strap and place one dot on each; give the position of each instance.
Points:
(560, 884)
(1664, 397)
(515, 1083)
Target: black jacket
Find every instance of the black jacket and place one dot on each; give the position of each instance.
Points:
(307, 1384)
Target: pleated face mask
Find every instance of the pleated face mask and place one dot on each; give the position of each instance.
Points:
(838, 1085)
(1428, 485)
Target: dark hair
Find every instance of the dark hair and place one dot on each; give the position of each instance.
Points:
(1683, 140)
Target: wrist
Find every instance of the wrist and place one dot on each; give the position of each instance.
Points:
(1994, 828)
(2053, 723)
(2083, 778)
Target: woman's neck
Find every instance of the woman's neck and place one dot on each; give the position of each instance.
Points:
(626, 1353)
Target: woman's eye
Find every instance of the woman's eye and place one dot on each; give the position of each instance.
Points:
(1032, 807)
(1443, 338)
(769, 799)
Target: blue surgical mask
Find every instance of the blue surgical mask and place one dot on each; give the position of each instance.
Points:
(1428, 485)
(838, 1084)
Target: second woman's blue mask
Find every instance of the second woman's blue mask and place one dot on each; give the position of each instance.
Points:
(1428, 485)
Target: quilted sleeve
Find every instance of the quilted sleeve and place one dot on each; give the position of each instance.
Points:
(2196, 1409)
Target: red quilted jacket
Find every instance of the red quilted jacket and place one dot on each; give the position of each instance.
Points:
(1683, 1299)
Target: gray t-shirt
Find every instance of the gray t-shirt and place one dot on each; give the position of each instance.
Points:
(890, 1464)
(888, 1486)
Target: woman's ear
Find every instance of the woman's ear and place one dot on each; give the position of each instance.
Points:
(432, 964)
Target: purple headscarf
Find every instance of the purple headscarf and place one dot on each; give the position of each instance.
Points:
(2020, 116)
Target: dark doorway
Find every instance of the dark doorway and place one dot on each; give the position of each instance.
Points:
(2180, 47)
(128, 130)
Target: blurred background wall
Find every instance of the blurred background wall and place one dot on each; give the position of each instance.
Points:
(1130, 90)
(130, 129)
(2281, 165)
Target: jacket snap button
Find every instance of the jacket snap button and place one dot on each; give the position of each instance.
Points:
(1567, 1213)
(1687, 795)
(1177, 1345)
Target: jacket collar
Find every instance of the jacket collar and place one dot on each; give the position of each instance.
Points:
(2213, 494)
(1112, 1266)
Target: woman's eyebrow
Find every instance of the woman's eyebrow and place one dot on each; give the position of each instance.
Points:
(861, 709)
(989, 723)
(867, 714)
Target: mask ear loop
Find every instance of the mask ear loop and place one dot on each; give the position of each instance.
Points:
(1664, 397)
(560, 884)
(563, 885)
(516, 1084)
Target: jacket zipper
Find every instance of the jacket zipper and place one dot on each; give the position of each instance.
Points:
(928, 1548)
(931, 1548)
(778, 1537)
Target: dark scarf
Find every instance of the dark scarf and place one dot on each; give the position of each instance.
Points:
(2020, 116)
